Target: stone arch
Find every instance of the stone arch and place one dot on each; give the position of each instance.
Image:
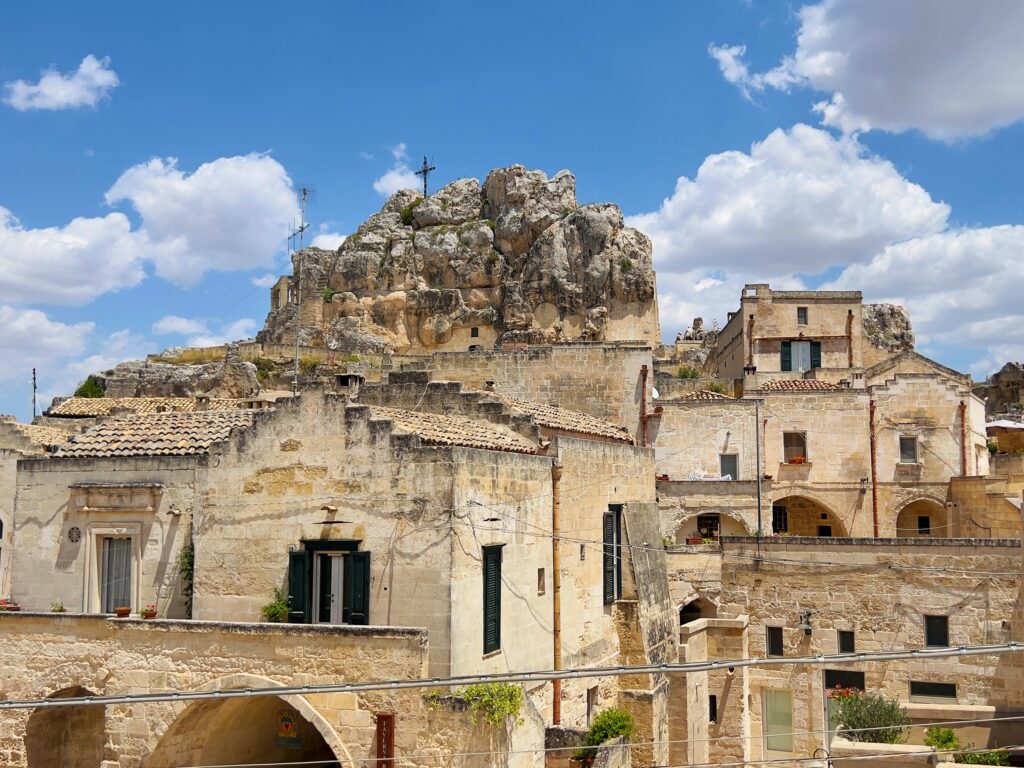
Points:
(806, 516)
(190, 732)
(923, 516)
(698, 608)
(69, 735)
(729, 523)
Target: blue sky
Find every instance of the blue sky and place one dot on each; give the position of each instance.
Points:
(164, 144)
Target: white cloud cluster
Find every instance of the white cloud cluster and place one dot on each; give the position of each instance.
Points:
(329, 241)
(85, 87)
(31, 338)
(945, 67)
(399, 176)
(227, 216)
(199, 332)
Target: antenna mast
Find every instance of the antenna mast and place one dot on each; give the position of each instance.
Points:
(34, 387)
(300, 233)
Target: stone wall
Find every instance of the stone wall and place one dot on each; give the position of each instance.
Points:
(54, 655)
(690, 436)
(985, 507)
(8, 483)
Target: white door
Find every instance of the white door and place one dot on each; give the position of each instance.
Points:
(327, 588)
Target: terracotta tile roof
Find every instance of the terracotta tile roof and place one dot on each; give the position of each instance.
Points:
(103, 406)
(799, 385)
(556, 417)
(45, 436)
(705, 394)
(435, 429)
(157, 434)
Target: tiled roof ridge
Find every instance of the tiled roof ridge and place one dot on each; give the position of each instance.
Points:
(705, 394)
(101, 406)
(558, 417)
(443, 429)
(799, 385)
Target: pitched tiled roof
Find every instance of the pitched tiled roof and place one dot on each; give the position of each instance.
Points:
(799, 385)
(435, 429)
(555, 417)
(705, 394)
(103, 406)
(157, 434)
(46, 436)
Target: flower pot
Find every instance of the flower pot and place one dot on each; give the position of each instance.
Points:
(13, 607)
(149, 614)
(122, 611)
(694, 539)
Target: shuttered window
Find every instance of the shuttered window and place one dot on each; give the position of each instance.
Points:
(815, 354)
(492, 599)
(356, 589)
(786, 357)
(612, 573)
(355, 583)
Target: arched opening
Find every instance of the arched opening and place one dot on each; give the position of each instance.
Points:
(923, 517)
(697, 609)
(68, 735)
(261, 729)
(801, 516)
(712, 525)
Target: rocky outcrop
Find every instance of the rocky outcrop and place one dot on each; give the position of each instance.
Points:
(1004, 393)
(887, 326)
(136, 378)
(514, 259)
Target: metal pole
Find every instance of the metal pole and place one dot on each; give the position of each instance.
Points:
(757, 449)
(298, 302)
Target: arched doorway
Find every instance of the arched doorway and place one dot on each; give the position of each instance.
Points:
(923, 517)
(801, 516)
(697, 609)
(260, 729)
(68, 735)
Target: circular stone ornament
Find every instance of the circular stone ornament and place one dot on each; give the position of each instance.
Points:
(74, 534)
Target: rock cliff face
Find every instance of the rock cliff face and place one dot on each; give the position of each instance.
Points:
(887, 326)
(136, 378)
(1004, 393)
(515, 259)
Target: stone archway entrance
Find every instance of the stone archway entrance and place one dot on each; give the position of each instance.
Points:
(802, 516)
(62, 736)
(261, 729)
(923, 517)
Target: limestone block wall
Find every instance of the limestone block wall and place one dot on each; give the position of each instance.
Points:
(681, 501)
(689, 437)
(8, 483)
(57, 528)
(982, 509)
(880, 590)
(49, 654)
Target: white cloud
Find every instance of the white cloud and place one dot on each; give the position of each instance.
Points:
(180, 325)
(945, 67)
(31, 338)
(85, 87)
(329, 241)
(399, 176)
(265, 281)
(199, 332)
(72, 264)
(801, 201)
(226, 216)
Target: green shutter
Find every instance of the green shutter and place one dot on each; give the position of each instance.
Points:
(492, 599)
(609, 558)
(786, 358)
(355, 601)
(300, 587)
(815, 354)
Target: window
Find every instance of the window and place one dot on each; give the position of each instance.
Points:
(936, 631)
(778, 721)
(492, 598)
(794, 447)
(116, 573)
(825, 531)
(329, 583)
(708, 526)
(922, 691)
(801, 315)
(591, 703)
(908, 449)
(612, 551)
(474, 333)
(541, 583)
(729, 465)
(847, 642)
(773, 641)
(712, 708)
(924, 525)
(800, 355)
(780, 519)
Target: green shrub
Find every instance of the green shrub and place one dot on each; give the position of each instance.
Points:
(91, 387)
(308, 365)
(715, 387)
(625, 264)
(688, 372)
(328, 295)
(352, 358)
(869, 717)
(943, 739)
(264, 367)
(185, 565)
(276, 610)
(407, 211)
(609, 724)
(493, 701)
(986, 757)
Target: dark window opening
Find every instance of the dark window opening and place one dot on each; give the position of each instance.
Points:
(729, 465)
(936, 631)
(847, 642)
(843, 678)
(932, 690)
(773, 641)
(908, 449)
(492, 598)
(801, 315)
(780, 519)
(825, 531)
(712, 708)
(474, 332)
(475, 348)
(794, 447)
(708, 526)
(612, 551)
(924, 525)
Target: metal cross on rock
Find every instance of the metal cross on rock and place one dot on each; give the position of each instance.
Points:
(425, 172)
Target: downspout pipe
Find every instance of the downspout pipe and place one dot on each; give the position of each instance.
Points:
(874, 467)
(556, 588)
(963, 439)
(643, 406)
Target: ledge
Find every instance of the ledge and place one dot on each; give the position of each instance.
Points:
(847, 541)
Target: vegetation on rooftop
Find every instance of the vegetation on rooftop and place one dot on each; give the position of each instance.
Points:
(609, 724)
(91, 387)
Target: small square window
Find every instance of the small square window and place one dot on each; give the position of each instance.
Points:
(794, 447)
(729, 465)
(773, 641)
(801, 315)
(936, 631)
(847, 643)
(712, 708)
(908, 449)
(474, 333)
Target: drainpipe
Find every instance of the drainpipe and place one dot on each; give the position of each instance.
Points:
(643, 406)
(750, 342)
(757, 449)
(849, 337)
(874, 468)
(963, 439)
(556, 603)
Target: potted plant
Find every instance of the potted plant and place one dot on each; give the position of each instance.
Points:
(149, 612)
(9, 604)
(798, 460)
(694, 538)
(122, 611)
(57, 607)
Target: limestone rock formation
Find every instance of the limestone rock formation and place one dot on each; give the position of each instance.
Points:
(514, 259)
(887, 326)
(137, 378)
(1004, 393)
